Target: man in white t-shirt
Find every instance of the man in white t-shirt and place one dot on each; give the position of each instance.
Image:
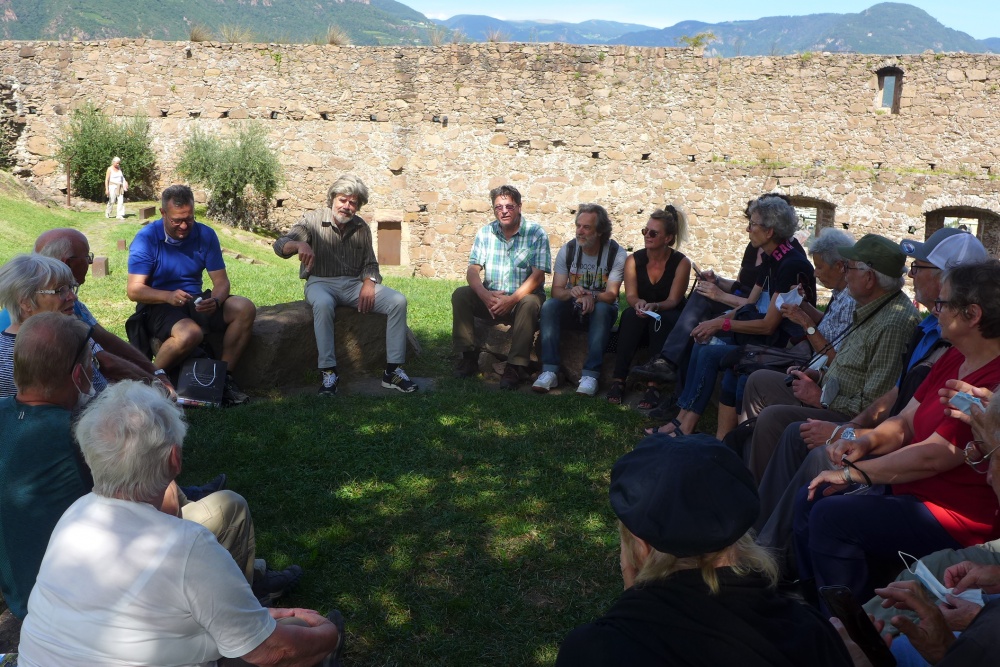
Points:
(124, 583)
(588, 276)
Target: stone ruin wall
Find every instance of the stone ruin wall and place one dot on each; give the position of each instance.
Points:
(432, 129)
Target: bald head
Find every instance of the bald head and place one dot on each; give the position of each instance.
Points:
(48, 348)
(69, 246)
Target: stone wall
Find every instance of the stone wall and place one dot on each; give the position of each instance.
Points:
(432, 129)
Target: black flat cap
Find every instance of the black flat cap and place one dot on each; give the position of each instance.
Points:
(684, 497)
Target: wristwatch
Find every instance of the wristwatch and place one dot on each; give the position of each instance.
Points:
(848, 434)
(810, 331)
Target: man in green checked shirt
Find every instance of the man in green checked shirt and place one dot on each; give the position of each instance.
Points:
(513, 255)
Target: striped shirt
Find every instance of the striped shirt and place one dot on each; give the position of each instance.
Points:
(869, 361)
(507, 264)
(339, 252)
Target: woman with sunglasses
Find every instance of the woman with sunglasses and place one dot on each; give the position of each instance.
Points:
(656, 279)
(925, 498)
(32, 284)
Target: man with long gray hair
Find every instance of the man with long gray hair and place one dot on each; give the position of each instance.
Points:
(125, 581)
(337, 261)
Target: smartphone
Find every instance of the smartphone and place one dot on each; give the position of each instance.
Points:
(860, 628)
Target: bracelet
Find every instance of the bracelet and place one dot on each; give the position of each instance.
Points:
(850, 464)
(159, 371)
(727, 324)
(846, 473)
(833, 435)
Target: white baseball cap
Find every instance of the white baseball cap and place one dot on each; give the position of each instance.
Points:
(947, 248)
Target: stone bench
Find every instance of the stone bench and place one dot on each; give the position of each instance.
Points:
(493, 343)
(147, 213)
(282, 349)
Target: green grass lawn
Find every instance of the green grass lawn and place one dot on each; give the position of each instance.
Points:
(462, 526)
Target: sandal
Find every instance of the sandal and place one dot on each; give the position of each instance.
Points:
(615, 392)
(655, 430)
(650, 399)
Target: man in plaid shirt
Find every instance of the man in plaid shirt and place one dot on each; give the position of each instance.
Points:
(513, 255)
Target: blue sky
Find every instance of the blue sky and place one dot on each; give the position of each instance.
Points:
(981, 18)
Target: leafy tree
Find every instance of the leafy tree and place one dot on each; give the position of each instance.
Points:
(696, 41)
(90, 142)
(241, 172)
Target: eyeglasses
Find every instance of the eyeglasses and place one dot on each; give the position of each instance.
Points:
(751, 225)
(499, 208)
(650, 233)
(89, 257)
(63, 291)
(976, 455)
(80, 349)
(939, 305)
(916, 268)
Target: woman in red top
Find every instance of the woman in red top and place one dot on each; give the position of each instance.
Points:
(930, 499)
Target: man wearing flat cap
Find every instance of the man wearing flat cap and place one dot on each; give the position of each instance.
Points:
(697, 589)
(866, 366)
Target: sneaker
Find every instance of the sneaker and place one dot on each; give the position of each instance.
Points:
(467, 367)
(399, 380)
(511, 377)
(333, 659)
(329, 386)
(588, 386)
(656, 369)
(274, 583)
(231, 394)
(547, 380)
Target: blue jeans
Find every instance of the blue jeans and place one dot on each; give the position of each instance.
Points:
(556, 313)
(699, 383)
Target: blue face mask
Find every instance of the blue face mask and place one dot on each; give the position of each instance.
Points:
(765, 298)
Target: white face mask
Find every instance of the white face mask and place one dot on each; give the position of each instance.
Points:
(935, 587)
(83, 397)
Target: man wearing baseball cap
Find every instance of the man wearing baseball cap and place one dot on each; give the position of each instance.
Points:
(866, 366)
(800, 454)
(697, 589)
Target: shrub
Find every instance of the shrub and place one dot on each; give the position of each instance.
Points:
(90, 142)
(241, 172)
(337, 36)
(236, 34)
(199, 33)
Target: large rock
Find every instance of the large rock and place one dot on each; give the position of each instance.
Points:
(282, 351)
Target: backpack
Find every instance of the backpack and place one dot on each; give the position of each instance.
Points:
(573, 252)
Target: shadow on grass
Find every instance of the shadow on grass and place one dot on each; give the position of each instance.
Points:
(460, 527)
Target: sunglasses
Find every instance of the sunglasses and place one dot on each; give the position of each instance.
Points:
(976, 455)
(650, 233)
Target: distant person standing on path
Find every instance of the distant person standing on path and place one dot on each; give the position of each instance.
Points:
(115, 187)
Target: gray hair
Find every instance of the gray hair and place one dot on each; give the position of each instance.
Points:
(603, 226)
(885, 282)
(827, 245)
(115, 159)
(24, 275)
(777, 214)
(47, 349)
(177, 195)
(126, 435)
(505, 191)
(349, 185)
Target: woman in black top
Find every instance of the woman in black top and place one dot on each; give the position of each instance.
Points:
(656, 279)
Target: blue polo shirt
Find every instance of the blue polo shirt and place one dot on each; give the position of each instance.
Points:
(173, 265)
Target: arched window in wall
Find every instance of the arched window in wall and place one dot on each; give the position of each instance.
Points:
(814, 214)
(890, 89)
(985, 224)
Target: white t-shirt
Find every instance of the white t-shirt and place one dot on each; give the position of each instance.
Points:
(122, 583)
(589, 271)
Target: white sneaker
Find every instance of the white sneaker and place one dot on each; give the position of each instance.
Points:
(588, 386)
(547, 380)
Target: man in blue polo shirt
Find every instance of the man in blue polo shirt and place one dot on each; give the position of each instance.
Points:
(166, 261)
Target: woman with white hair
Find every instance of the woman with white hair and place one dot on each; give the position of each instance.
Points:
(32, 284)
(698, 591)
(115, 187)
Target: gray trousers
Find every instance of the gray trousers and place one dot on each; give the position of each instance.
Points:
(774, 405)
(325, 294)
(792, 466)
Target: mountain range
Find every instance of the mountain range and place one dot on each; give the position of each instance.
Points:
(885, 28)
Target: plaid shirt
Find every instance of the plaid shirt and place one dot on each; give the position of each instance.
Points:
(507, 264)
(871, 357)
(838, 318)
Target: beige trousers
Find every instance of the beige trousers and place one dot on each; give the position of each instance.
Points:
(226, 514)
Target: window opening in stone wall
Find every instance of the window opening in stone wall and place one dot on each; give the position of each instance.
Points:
(890, 88)
(985, 224)
(814, 214)
(390, 238)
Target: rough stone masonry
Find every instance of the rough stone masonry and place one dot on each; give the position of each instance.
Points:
(432, 129)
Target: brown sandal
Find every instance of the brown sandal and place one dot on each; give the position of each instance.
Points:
(650, 399)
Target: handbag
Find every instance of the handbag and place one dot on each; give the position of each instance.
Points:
(755, 357)
(201, 383)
